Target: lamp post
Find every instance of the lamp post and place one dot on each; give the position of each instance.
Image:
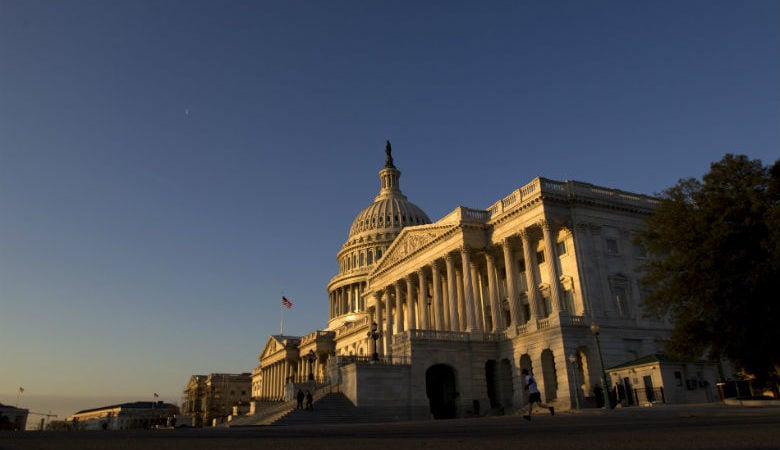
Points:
(573, 361)
(311, 357)
(595, 329)
(374, 335)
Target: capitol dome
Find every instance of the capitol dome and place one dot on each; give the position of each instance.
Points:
(371, 233)
(391, 211)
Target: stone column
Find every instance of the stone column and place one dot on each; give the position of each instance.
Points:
(269, 382)
(495, 311)
(388, 324)
(399, 308)
(511, 283)
(552, 266)
(452, 291)
(530, 263)
(411, 323)
(263, 383)
(468, 293)
(461, 305)
(437, 301)
(583, 250)
(274, 381)
(422, 298)
(378, 302)
(476, 292)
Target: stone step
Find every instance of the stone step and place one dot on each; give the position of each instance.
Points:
(327, 408)
(335, 408)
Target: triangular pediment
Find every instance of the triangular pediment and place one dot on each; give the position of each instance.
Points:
(276, 344)
(410, 241)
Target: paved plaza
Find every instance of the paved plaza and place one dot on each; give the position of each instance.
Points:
(662, 427)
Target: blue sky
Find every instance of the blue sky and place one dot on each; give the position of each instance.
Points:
(169, 168)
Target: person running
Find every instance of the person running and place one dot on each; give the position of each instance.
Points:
(534, 396)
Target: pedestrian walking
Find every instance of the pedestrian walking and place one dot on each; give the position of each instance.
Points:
(534, 396)
(299, 398)
(309, 400)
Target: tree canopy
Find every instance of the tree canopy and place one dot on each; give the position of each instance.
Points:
(713, 250)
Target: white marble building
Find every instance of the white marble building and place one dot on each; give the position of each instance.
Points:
(462, 304)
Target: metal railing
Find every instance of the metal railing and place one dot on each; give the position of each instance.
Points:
(653, 395)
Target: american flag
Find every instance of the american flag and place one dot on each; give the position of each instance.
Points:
(286, 303)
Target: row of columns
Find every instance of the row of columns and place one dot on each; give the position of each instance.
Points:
(346, 299)
(276, 376)
(457, 303)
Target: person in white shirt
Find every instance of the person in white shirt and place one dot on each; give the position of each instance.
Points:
(534, 396)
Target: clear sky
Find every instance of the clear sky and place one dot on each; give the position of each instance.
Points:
(169, 168)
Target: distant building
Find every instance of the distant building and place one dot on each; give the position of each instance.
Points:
(12, 418)
(657, 378)
(215, 397)
(124, 416)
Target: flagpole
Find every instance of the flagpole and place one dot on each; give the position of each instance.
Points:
(281, 322)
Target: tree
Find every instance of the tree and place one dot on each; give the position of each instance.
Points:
(713, 250)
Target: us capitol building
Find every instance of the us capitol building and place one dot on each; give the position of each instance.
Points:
(437, 319)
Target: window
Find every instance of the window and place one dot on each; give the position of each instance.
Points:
(620, 286)
(540, 257)
(621, 300)
(547, 309)
(506, 312)
(370, 258)
(612, 246)
(378, 253)
(568, 301)
(561, 248)
(526, 306)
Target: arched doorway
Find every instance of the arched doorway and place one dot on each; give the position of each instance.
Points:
(441, 390)
(490, 380)
(498, 377)
(550, 376)
(505, 381)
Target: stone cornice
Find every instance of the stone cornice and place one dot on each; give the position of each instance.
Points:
(568, 192)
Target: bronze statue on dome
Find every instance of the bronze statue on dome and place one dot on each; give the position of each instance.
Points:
(389, 159)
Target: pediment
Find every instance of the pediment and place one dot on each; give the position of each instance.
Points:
(275, 344)
(410, 241)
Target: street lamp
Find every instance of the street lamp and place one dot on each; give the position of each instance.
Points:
(573, 361)
(311, 357)
(595, 329)
(374, 334)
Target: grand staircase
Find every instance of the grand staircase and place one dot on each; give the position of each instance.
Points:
(327, 408)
